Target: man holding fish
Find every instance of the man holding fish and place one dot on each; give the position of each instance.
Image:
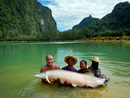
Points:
(71, 61)
(68, 77)
(49, 65)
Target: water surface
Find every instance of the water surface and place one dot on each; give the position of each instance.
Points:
(20, 61)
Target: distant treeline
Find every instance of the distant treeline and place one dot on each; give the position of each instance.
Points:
(23, 19)
(66, 35)
(29, 21)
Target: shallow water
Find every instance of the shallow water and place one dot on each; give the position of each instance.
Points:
(20, 61)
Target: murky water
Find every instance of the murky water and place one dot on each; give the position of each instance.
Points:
(20, 61)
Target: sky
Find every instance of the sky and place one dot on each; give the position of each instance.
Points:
(68, 13)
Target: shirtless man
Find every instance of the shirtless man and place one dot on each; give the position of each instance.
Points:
(49, 65)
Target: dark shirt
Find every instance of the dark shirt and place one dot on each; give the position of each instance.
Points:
(97, 72)
(72, 69)
(83, 70)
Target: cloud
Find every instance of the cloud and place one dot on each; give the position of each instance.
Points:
(68, 13)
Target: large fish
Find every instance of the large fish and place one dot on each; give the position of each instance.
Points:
(76, 79)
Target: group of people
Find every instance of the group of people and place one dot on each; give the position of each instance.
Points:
(71, 61)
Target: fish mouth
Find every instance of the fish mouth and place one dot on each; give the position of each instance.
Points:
(37, 76)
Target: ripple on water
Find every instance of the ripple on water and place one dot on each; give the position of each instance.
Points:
(27, 90)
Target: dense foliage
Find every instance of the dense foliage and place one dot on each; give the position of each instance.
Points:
(118, 19)
(24, 19)
(85, 22)
(116, 23)
(28, 20)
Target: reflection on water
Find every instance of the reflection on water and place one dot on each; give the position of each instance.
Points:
(27, 91)
(36, 89)
(20, 61)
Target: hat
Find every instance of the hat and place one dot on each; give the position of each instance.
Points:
(95, 58)
(68, 57)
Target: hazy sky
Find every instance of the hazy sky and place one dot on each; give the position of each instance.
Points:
(68, 13)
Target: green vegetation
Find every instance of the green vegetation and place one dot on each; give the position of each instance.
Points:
(24, 19)
(115, 24)
(116, 33)
(85, 22)
(27, 20)
(118, 19)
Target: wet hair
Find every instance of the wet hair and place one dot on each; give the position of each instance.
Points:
(84, 61)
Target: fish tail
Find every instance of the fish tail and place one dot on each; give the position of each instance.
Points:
(104, 84)
(106, 80)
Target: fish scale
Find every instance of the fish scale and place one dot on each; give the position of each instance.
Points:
(76, 79)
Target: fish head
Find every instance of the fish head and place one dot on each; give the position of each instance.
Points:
(42, 75)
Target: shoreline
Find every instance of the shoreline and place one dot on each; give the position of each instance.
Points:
(100, 41)
(121, 39)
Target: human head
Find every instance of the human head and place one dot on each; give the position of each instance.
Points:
(70, 60)
(95, 62)
(83, 64)
(95, 65)
(49, 60)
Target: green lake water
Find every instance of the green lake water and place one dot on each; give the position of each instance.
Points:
(20, 61)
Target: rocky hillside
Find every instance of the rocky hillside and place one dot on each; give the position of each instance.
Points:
(24, 17)
(85, 22)
(118, 19)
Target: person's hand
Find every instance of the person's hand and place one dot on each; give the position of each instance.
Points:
(66, 83)
(57, 81)
(85, 86)
(51, 79)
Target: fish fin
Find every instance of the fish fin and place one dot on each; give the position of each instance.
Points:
(47, 79)
(106, 80)
(104, 84)
(98, 85)
(74, 85)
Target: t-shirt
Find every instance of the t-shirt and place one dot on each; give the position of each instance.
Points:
(97, 72)
(72, 69)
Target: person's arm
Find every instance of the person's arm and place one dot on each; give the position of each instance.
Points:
(66, 83)
(79, 71)
(42, 69)
(85, 86)
(74, 70)
(88, 70)
(57, 67)
(64, 68)
(97, 73)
